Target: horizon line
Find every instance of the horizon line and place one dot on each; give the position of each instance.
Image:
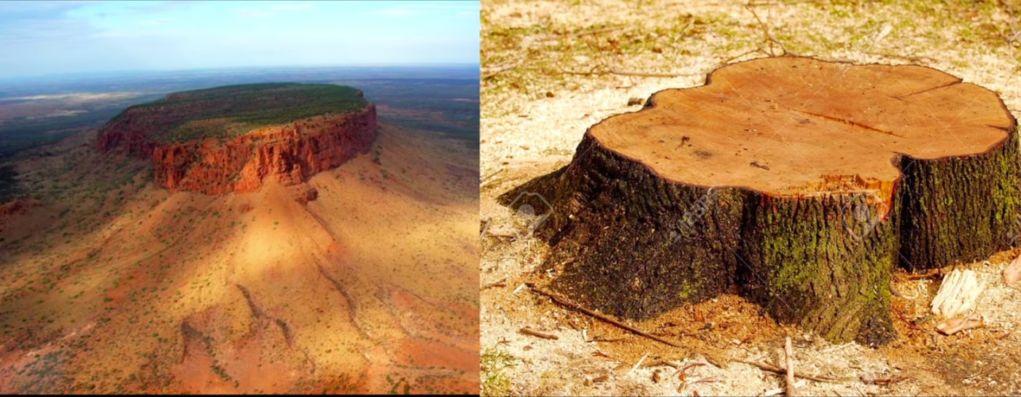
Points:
(476, 65)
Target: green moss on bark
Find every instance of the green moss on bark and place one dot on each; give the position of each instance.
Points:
(820, 262)
(960, 209)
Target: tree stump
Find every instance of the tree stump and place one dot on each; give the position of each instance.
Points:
(799, 182)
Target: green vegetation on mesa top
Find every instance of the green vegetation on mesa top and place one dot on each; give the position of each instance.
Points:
(229, 111)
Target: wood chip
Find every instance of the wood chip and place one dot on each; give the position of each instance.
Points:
(1012, 274)
(958, 324)
(958, 293)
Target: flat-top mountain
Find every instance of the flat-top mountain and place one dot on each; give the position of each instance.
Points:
(233, 138)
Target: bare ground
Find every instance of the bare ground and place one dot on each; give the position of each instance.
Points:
(552, 69)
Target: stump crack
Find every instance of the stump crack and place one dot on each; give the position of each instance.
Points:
(922, 91)
(848, 122)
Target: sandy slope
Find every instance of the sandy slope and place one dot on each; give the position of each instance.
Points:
(110, 284)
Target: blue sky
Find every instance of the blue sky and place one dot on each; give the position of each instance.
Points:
(40, 38)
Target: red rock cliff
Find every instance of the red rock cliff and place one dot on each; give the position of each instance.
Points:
(290, 153)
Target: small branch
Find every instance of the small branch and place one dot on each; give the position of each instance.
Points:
(606, 319)
(532, 332)
(789, 358)
(604, 339)
(661, 363)
(927, 274)
(749, 52)
(501, 283)
(765, 31)
(637, 364)
(883, 381)
(781, 371)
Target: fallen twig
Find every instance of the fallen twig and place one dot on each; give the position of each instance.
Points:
(637, 364)
(768, 36)
(731, 59)
(882, 381)
(781, 371)
(605, 339)
(489, 179)
(690, 366)
(711, 379)
(500, 283)
(927, 274)
(789, 359)
(532, 332)
(682, 374)
(661, 363)
(564, 302)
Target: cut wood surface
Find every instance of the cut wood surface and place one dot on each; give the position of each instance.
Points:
(797, 126)
(800, 181)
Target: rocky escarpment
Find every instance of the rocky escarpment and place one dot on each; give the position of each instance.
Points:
(212, 142)
(289, 154)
